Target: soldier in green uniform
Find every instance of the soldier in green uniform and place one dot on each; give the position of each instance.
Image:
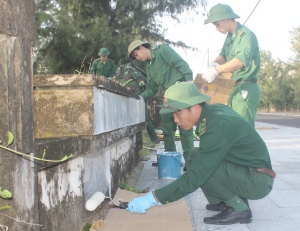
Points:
(104, 66)
(239, 55)
(135, 80)
(164, 68)
(231, 164)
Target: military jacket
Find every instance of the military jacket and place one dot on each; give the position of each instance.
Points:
(165, 68)
(132, 77)
(99, 68)
(224, 136)
(243, 45)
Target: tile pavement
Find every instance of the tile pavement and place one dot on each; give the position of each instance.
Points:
(280, 210)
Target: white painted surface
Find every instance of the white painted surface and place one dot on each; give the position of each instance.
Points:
(70, 181)
(97, 174)
(112, 111)
(65, 183)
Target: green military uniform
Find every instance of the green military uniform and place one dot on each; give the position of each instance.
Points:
(245, 95)
(100, 69)
(225, 163)
(135, 79)
(166, 68)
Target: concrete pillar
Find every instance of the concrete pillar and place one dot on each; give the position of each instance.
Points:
(17, 174)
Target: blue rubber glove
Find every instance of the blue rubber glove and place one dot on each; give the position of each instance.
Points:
(141, 204)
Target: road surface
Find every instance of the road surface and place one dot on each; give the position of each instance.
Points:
(280, 118)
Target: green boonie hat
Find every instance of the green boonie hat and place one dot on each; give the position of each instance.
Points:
(103, 52)
(136, 44)
(220, 12)
(180, 96)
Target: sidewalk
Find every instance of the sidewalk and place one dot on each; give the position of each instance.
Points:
(280, 210)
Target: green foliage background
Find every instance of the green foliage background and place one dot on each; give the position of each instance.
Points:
(280, 81)
(71, 32)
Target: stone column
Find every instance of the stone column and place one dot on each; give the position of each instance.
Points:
(17, 174)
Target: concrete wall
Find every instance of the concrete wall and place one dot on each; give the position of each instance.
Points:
(17, 174)
(100, 123)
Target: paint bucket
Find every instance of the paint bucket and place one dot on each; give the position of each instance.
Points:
(169, 164)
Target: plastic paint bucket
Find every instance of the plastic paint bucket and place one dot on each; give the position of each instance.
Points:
(169, 164)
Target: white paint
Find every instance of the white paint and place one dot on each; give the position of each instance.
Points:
(122, 147)
(64, 184)
(97, 174)
(68, 181)
(112, 111)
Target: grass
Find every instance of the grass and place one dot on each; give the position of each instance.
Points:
(87, 227)
(145, 152)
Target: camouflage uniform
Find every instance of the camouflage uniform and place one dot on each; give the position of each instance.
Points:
(135, 79)
(131, 78)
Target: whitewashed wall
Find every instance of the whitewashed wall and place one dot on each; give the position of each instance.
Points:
(112, 111)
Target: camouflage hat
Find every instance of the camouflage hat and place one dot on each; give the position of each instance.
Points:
(220, 12)
(180, 96)
(136, 44)
(103, 52)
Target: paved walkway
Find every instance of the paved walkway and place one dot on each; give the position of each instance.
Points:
(280, 210)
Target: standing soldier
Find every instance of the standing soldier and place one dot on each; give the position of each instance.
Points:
(104, 66)
(164, 68)
(135, 80)
(239, 55)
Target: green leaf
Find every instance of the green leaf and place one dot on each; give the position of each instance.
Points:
(67, 157)
(64, 158)
(4, 207)
(5, 194)
(10, 138)
(44, 154)
(70, 156)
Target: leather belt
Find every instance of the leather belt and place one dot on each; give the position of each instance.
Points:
(267, 171)
(240, 82)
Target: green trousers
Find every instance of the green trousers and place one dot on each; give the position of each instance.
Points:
(244, 99)
(149, 126)
(230, 180)
(169, 128)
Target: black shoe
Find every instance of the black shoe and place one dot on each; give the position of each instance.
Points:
(221, 206)
(229, 216)
(156, 141)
